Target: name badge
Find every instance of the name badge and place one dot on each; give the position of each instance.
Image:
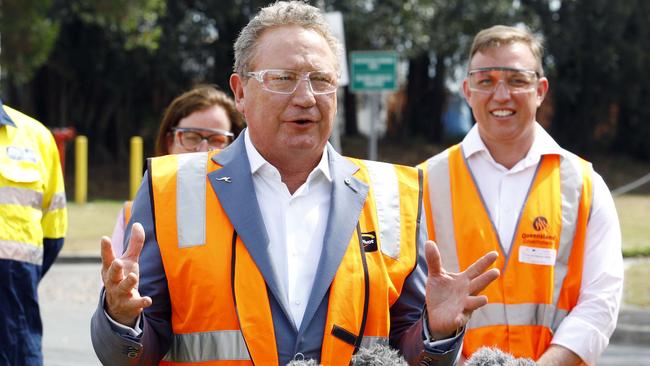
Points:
(541, 256)
(21, 154)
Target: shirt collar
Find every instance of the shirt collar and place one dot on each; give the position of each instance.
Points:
(257, 161)
(472, 142)
(4, 117)
(543, 144)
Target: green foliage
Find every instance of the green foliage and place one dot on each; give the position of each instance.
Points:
(597, 64)
(28, 36)
(137, 20)
(434, 35)
(110, 66)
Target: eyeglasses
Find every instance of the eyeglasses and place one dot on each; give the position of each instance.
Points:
(191, 138)
(286, 81)
(486, 80)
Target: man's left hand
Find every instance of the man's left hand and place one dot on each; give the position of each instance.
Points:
(451, 297)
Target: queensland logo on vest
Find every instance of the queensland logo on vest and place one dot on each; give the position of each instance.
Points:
(369, 241)
(540, 223)
(541, 235)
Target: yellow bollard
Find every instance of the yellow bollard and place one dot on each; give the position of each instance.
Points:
(136, 166)
(80, 169)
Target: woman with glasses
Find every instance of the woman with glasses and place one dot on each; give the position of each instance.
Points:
(201, 119)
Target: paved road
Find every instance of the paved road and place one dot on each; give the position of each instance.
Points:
(68, 296)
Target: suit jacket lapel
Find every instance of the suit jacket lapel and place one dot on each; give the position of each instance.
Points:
(233, 185)
(348, 197)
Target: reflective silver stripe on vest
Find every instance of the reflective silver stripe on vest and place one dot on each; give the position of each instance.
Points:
(440, 197)
(383, 180)
(208, 346)
(21, 197)
(190, 199)
(571, 188)
(517, 314)
(58, 201)
(13, 250)
(369, 342)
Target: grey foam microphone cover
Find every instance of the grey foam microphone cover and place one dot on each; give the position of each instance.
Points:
(378, 355)
(303, 363)
(488, 356)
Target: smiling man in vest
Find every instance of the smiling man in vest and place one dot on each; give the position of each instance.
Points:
(277, 248)
(509, 187)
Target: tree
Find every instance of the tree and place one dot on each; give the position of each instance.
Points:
(434, 36)
(28, 36)
(597, 54)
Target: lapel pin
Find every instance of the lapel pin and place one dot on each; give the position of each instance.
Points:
(225, 179)
(348, 182)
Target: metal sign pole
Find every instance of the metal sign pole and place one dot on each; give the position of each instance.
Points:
(373, 72)
(374, 119)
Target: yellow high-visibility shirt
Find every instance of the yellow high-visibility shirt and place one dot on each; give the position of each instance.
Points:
(32, 197)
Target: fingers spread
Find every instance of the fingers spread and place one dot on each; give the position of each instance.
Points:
(115, 272)
(136, 242)
(128, 284)
(434, 263)
(146, 301)
(481, 264)
(474, 302)
(107, 253)
(482, 281)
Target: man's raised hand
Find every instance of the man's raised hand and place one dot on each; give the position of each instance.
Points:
(451, 297)
(123, 302)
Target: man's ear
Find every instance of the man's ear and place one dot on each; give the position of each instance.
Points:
(237, 87)
(542, 89)
(466, 92)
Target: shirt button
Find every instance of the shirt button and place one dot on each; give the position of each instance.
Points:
(297, 302)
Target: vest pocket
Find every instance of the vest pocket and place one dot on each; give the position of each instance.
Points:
(19, 172)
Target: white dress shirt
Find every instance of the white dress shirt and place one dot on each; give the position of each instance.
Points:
(587, 328)
(294, 223)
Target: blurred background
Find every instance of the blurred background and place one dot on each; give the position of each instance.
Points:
(109, 67)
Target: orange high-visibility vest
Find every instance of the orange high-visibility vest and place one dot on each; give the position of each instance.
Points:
(541, 275)
(221, 313)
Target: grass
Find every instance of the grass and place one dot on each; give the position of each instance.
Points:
(87, 224)
(637, 289)
(634, 215)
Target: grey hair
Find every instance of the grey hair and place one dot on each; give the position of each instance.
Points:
(278, 14)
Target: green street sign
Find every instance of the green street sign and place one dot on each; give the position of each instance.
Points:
(373, 71)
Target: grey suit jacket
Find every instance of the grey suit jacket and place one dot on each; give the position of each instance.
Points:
(116, 347)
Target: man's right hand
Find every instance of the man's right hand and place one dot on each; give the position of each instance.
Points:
(123, 302)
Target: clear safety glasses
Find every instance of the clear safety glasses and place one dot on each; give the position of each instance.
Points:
(486, 80)
(286, 81)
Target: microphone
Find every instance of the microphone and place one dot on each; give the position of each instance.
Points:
(309, 362)
(489, 356)
(377, 355)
